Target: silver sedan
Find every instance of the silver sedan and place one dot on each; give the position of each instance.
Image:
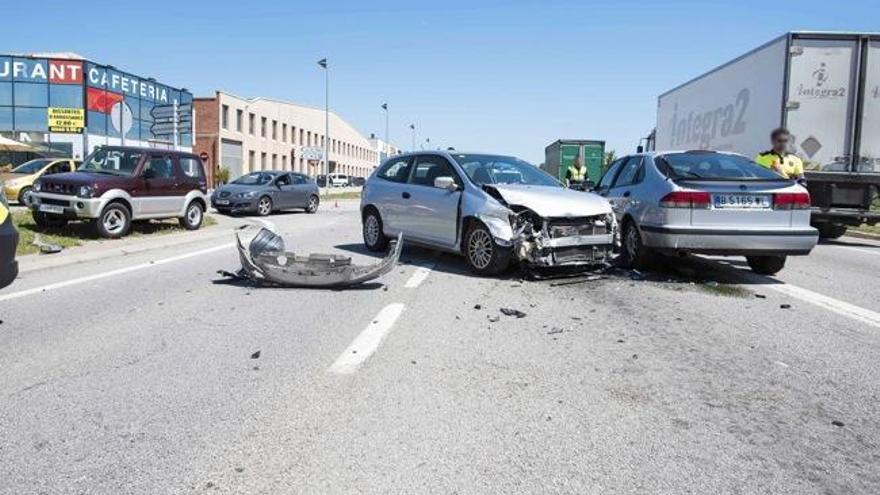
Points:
(493, 209)
(707, 202)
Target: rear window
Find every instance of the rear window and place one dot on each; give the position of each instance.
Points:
(192, 167)
(396, 170)
(712, 166)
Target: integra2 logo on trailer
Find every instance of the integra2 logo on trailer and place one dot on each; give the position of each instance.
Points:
(702, 128)
(820, 89)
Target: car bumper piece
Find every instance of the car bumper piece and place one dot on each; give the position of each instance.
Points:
(71, 206)
(8, 246)
(791, 241)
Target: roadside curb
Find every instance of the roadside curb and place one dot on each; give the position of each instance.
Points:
(102, 250)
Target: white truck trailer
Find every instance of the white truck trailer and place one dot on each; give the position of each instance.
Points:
(824, 87)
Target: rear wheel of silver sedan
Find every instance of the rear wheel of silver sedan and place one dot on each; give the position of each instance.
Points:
(374, 237)
(312, 207)
(484, 256)
(766, 265)
(635, 254)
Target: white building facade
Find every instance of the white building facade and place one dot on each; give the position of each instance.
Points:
(246, 135)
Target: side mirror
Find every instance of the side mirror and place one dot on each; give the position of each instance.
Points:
(149, 174)
(447, 183)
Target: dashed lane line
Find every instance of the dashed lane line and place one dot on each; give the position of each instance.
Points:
(419, 276)
(366, 343)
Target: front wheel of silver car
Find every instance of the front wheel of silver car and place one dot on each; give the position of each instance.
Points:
(634, 253)
(264, 206)
(192, 218)
(484, 256)
(374, 236)
(312, 207)
(114, 222)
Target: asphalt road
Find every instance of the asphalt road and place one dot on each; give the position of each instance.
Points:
(137, 374)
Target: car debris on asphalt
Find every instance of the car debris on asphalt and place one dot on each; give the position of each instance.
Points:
(512, 312)
(265, 261)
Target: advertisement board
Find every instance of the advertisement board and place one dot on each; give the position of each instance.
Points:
(66, 120)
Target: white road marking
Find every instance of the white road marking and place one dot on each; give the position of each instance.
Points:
(366, 343)
(111, 273)
(837, 306)
(419, 276)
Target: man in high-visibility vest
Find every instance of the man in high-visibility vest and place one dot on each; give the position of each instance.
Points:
(576, 174)
(779, 159)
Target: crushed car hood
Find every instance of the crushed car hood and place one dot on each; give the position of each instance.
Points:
(553, 202)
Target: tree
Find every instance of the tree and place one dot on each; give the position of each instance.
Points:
(610, 155)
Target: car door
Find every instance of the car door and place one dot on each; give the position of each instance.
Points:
(389, 193)
(623, 194)
(285, 195)
(431, 212)
(160, 194)
(301, 190)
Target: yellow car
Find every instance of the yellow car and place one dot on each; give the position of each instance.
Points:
(17, 184)
(8, 244)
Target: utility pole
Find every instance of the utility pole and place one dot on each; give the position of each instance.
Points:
(323, 64)
(413, 127)
(387, 141)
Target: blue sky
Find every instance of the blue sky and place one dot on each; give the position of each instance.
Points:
(506, 76)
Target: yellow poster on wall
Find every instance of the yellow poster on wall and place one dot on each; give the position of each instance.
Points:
(67, 120)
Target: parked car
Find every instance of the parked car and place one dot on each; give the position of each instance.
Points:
(118, 184)
(339, 180)
(358, 181)
(8, 245)
(265, 192)
(492, 209)
(18, 183)
(707, 202)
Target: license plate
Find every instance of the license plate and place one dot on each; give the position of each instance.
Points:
(222, 201)
(741, 201)
(51, 209)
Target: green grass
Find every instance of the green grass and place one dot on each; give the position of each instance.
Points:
(343, 195)
(77, 233)
(868, 229)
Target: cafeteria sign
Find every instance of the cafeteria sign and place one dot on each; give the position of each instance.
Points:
(67, 120)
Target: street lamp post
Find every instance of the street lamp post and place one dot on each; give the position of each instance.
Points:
(326, 167)
(387, 141)
(413, 128)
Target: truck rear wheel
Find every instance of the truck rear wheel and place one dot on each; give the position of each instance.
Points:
(831, 230)
(766, 265)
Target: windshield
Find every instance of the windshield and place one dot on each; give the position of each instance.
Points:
(30, 167)
(494, 169)
(713, 166)
(254, 179)
(112, 162)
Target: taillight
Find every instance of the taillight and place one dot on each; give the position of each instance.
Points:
(791, 201)
(686, 199)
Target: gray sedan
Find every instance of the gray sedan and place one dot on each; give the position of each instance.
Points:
(707, 202)
(267, 191)
(493, 209)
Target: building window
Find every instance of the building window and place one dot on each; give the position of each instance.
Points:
(31, 95)
(301, 140)
(309, 138)
(239, 116)
(283, 133)
(274, 161)
(263, 126)
(252, 160)
(274, 130)
(251, 126)
(283, 162)
(224, 116)
(263, 161)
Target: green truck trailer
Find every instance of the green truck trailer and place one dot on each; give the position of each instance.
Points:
(560, 154)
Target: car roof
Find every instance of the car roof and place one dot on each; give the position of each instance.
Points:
(147, 150)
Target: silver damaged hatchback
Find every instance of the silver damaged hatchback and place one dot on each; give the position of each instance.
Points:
(492, 209)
